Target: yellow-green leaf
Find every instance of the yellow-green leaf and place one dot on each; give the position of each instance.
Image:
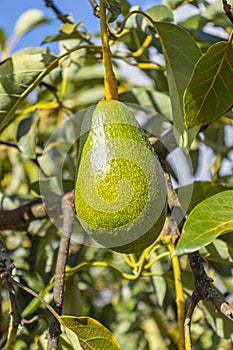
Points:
(208, 220)
(209, 93)
(19, 75)
(29, 20)
(92, 335)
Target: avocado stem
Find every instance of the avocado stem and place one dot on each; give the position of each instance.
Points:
(110, 82)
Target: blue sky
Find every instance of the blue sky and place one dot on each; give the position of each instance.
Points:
(10, 10)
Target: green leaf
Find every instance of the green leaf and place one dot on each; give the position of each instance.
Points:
(114, 7)
(73, 339)
(2, 38)
(221, 325)
(19, 75)
(92, 335)
(125, 7)
(181, 53)
(157, 13)
(209, 93)
(160, 13)
(198, 191)
(60, 37)
(207, 221)
(26, 138)
(29, 20)
(221, 250)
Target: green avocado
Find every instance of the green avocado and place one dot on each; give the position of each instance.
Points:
(120, 192)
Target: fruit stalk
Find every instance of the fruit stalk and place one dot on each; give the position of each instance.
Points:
(110, 82)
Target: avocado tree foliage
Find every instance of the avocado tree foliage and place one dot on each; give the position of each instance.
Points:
(177, 293)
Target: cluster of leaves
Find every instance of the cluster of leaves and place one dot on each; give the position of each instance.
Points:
(188, 73)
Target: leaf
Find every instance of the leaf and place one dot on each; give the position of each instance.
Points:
(92, 335)
(221, 250)
(60, 37)
(160, 13)
(114, 7)
(208, 220)
(68, 28)
(209, 93)
(29, 20)
(158, 282)
(149, 98)
(157, 13)
(197, 192)
(221, 325)
(19, 75)
(2, 38)
(73, 339)
(181, 53)
(26, 139)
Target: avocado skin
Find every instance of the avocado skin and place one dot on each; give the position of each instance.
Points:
(120, 192)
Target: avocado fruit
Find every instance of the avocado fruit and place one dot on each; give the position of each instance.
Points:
(120, 192)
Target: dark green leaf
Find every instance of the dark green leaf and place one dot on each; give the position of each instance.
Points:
(92, 335)
(19, 75)
(125, 7)
(114, 9)
(209, 93)
(210, 219)
(181, 53)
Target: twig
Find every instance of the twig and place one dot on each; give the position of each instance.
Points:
(95, 8)
(58, 291)
(187, 324)
(204, 288)
(15, 317)
(163, 147)
(6, 268)
(227, 9)
(60, 15)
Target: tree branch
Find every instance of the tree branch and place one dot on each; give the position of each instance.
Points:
(95, 8)
(58, 290)
(20, 218)
(227, 9)
(59, 14)
(203, 286)
(6, 268)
